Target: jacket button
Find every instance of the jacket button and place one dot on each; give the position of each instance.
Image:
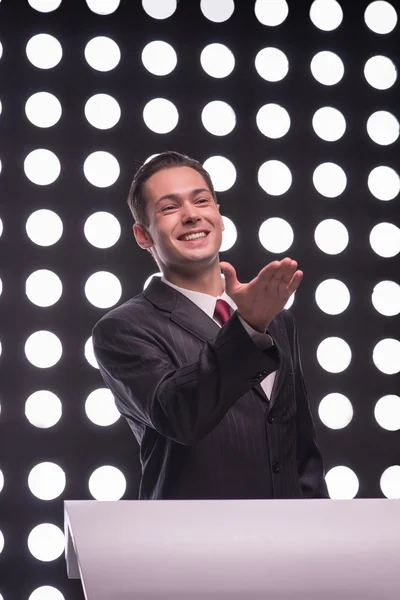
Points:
(276, 467)
(270, 419)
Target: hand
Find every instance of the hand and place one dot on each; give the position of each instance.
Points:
(260, 300)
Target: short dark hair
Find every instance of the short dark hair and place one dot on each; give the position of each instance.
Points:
(165, 160)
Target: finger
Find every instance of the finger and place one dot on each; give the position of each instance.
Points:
(283, 274)
(268, 272)
(295, 282)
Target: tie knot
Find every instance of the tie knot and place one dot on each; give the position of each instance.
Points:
(222, 311)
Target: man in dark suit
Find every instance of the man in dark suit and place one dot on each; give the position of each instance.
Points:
(206, 370)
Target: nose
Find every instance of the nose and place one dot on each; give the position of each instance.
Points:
(190, 213)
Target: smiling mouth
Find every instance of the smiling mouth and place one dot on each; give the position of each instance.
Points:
(196, 240)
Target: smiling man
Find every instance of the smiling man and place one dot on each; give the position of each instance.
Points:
(206, 369)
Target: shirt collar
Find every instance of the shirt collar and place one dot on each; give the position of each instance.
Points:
(204, 301)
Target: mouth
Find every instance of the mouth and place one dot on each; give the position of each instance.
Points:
(195, 241)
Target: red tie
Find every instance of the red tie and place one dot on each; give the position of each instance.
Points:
(222, 311)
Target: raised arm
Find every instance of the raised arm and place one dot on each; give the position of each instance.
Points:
(186, 403)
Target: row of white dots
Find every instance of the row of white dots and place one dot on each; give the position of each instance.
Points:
(327, 15)
(103, 54)
(102, 111)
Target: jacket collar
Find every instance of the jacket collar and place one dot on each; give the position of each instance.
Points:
(181, 310)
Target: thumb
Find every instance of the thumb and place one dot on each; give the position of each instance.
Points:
(230, 276)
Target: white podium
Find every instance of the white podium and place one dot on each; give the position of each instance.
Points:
(235, 549)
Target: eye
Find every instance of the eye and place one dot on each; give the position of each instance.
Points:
(167, 207)
(202, 200)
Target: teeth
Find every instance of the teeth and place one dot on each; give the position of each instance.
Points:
(194, 236)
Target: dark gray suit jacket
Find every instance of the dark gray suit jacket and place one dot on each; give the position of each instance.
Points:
(191, 394)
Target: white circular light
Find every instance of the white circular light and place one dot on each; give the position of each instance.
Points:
(44, 51)
(274, 177)
(380, 72)
(383, 127)
(102, 230)
(1, 49)
(273, 121)
(44, 227)
(43, 109)
(276, 235)
(46, 481)
(334, 355)
(43, 349)
(1, 542)
(103, 7)
(390, 482)
(100, 407)
(159, 58)
(386, 356)
(329, 124)
(229, 235)
(326, 14)
(332, 296)
(327, 68)
(103, 289)
(386, 298)
(271, 12)
(218, 118)
(1, 480)
(43, 409)
(42, 167)
(272, 64)
(159, 9)
(381, 17)
(385, 240)
(43, 288)
(101, 169)
(335, 411)
(342, 483)
(102, 54)
(222, 172)
(329, 180)
(217, 11)
(217, 60)
(107, 483)
(89, 354)
(384, 183)
(45, 6)
(160, 115)
(387, 412)
(102, 111)
(46, 542)
(46, 592)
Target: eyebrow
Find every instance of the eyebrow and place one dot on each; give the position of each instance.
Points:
(177, 196)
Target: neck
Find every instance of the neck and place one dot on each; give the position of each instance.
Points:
(208, 282)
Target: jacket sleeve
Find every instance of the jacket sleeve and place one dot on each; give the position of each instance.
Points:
(186, 403)
(309, 459)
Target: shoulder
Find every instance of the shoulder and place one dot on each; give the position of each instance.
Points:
(133, 311)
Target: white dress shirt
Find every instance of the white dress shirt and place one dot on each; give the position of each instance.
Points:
(207, 303)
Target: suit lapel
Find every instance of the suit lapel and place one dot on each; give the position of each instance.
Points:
(182, 311)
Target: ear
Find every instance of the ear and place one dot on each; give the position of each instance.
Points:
(142, 236)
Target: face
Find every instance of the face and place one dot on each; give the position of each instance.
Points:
(179, 202)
